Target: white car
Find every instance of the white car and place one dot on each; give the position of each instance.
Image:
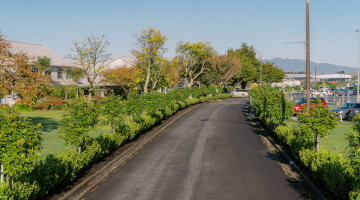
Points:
(239, 93)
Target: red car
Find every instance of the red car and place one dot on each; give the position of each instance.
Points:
(302, 104)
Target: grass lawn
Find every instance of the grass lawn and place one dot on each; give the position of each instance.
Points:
(336, 142)
(51, 142)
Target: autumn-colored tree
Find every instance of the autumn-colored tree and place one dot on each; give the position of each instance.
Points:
(193, 59)
(221, 70)
(128, 78)
(91, 56)
(18, 77)
(149, 51)
(165, 73)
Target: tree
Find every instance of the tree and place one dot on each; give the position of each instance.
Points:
(149, 50)
(76, 74)
(318, 121)
(165, 73)
(78, 120)
(42, 63)
(193, 59)
(18, 77)
(128, 78)
(112, 110)
(19, 143)
(271, 73)
(250, 71)
(221, 70)
(91, 56)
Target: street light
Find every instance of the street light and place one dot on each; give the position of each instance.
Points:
(357, 95)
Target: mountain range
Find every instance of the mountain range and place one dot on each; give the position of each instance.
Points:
(297, 65)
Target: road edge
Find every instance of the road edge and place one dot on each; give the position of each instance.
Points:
(312, 186)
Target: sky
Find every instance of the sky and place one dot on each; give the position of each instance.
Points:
(266, 25)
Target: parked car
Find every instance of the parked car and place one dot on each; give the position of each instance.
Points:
(239, 93)
(345, 109)
(354, 110)
(301, 104)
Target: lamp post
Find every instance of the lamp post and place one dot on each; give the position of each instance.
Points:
(357, 92)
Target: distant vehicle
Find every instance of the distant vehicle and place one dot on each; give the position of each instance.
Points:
(345, 109)
(239, 93)
(354, 110)
(301, 104)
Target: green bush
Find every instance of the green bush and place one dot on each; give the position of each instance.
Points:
(330, 169)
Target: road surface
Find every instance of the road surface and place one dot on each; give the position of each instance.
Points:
(210, 153)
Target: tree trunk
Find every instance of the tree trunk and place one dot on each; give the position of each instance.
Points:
(147, 80)
(89, 97)
(7, 179)
(2, 173)
(80, 148)
(112, 128)
(317, 142)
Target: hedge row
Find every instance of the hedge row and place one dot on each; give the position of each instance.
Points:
(138, 114)
(331, 170)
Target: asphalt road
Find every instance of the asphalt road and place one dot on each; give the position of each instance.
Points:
(211, 153)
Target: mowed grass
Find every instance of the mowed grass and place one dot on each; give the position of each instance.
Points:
(336, 141)
(51, 143)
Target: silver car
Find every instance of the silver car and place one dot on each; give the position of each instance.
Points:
(345, 109)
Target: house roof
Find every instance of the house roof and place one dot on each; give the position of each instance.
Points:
(120, 61)
(36, 50)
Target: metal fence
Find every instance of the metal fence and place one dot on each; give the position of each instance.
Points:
(331, 100)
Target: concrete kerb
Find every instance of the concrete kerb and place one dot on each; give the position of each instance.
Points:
(287, 159)
(91, 182)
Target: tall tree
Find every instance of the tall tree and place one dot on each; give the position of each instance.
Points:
(149, 51)
(250, 71)
(271, 73)
(193, 59)
(91, 56)
(165, 73)
(221, 70)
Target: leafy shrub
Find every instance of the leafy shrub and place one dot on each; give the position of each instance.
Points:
(24, 108)
(330, 169)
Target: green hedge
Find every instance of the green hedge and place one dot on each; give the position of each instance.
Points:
(138, 114)
(330, 170)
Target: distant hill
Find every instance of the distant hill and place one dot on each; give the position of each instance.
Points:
(296, 65)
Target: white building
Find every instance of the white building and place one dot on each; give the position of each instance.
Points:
(320, 77)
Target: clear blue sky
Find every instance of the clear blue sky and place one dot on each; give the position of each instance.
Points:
(265, 24)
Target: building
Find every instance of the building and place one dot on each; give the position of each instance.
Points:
(57, 71)
(320, 77)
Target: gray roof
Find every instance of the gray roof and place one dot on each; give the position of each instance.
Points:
(36, 50)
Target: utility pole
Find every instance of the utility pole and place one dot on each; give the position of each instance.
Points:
(357, 94)
(260, 70)
(307, 56)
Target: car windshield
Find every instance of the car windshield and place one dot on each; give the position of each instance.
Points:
(301, 101)
(344, 106)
